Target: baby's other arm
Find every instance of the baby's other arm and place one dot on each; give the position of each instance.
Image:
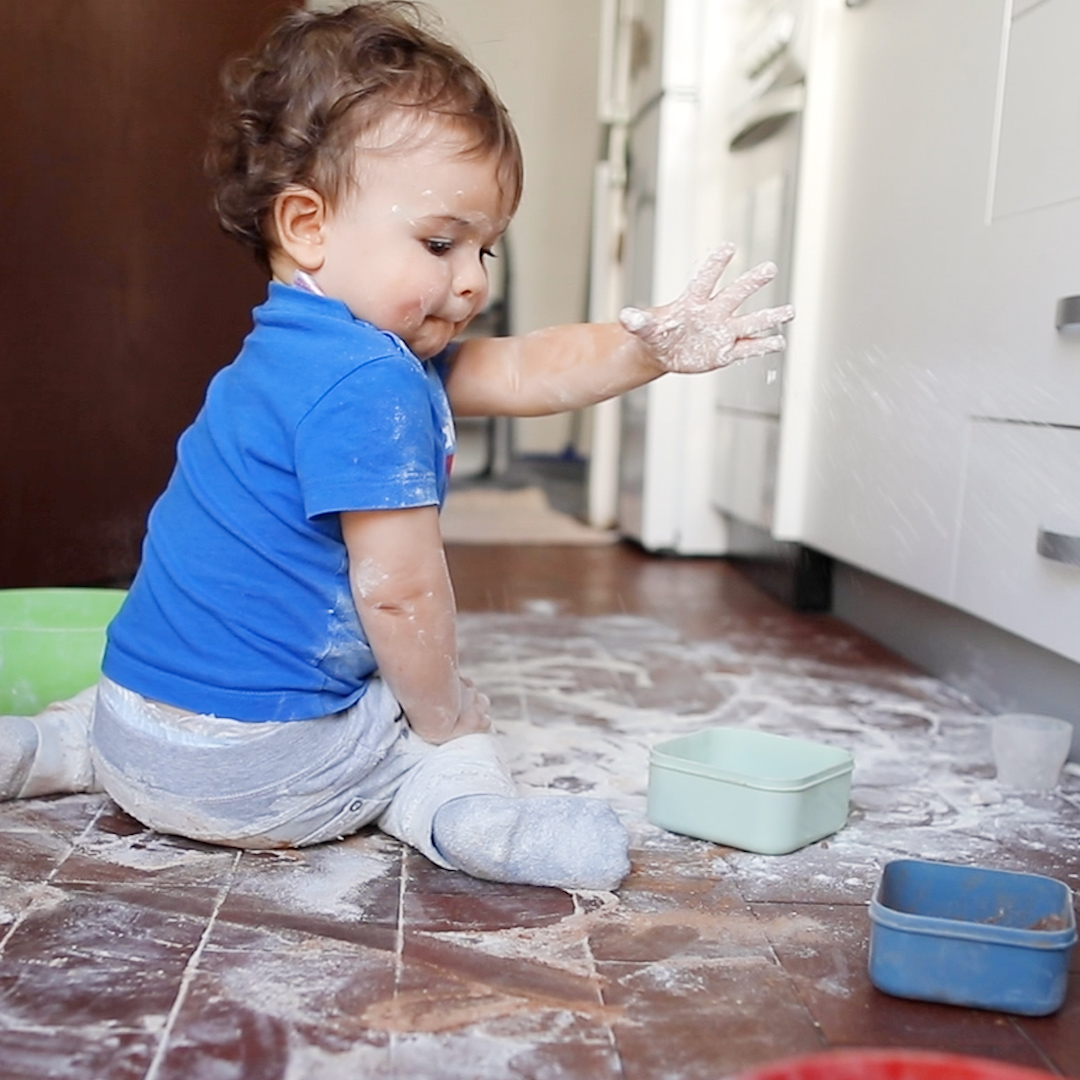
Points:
(568, 367)
(401, 587)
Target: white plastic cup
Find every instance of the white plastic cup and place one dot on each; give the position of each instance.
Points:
(1029, 751)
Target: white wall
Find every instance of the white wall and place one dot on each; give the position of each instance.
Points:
(543, 60)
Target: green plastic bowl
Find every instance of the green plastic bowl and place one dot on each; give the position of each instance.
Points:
(51, 644)
(747, 789)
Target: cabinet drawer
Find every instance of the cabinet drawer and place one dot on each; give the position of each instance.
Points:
(1022, 480)
(744, 466)
(1026, 369)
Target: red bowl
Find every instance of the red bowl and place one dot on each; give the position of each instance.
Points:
(890, 1065)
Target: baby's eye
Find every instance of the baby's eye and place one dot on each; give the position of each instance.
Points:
(439, 246)
(487, 253)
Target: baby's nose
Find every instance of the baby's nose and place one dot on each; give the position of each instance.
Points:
(471, 279)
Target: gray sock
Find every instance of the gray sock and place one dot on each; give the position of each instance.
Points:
(562, 840)
(18, 745)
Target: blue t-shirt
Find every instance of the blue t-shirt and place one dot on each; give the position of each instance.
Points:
(241, 607)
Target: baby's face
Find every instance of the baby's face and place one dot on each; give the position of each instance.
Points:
(406, 250)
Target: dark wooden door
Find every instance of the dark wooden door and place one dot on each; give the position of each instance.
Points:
(119, 296)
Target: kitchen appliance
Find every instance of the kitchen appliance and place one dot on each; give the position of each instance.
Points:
(765, 145)
(710, 122)
(665, 428)
(768, 91)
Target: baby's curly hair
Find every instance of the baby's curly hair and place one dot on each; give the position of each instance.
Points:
(294, 109)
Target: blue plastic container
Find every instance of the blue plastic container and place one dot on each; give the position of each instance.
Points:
(965, 935)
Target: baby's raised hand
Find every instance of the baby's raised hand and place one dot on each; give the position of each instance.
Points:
(700, 331)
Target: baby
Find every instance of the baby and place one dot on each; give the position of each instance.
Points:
(284, 670)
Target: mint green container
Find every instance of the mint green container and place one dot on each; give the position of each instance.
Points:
(51, 644)
(770, 794)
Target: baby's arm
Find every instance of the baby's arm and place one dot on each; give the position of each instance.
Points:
(568, 367)
(401, 587)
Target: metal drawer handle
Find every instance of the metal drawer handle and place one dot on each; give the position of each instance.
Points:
(1061, 547)
(1067, 316)
(767, 115)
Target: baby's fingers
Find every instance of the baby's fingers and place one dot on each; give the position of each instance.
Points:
(703, 285)
(746, 348)
(762, 322)
(744, 286)
(636, 320)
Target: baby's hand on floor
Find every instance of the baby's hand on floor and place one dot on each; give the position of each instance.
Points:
(700, 331)
(473, 714)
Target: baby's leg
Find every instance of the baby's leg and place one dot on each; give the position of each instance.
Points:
(459, 807)
(48, 754)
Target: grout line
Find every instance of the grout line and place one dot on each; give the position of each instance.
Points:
(797, 990)
(33, 905)
(599, 983)
(1048, 1063)
(399, 941)
(190, 970)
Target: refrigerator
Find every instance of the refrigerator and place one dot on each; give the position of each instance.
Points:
(665, 428)
(699, 151)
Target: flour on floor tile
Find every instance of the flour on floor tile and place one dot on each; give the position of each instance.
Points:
(923, 783)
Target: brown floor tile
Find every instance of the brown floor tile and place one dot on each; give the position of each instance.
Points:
(1057, 1035)
(518, 1001)
(136, 855)
(30, 857)
(697, 593)
(63, 816)
(123, 952)
(74, 1053)
(95, 957)
(503, 967)
(437, 899)
(666, 910)
(348, 890)
(541, 1044)
(269, 1004)
(824, 949)
(694, 1018)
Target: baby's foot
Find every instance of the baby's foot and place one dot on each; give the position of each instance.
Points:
(48, 754)
(18, 746)
(562, 840)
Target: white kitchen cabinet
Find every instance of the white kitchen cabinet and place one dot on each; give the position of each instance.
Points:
(943, 196)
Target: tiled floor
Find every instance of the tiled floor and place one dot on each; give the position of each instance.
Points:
(129, 955)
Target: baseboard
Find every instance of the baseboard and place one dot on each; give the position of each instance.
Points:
(795, 575)
(998, 670)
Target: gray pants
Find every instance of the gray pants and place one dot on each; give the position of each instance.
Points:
(272, 785)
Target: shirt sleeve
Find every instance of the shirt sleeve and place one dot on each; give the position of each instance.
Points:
(369, 442)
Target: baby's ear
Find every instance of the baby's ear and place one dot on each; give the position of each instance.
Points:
(299, 220)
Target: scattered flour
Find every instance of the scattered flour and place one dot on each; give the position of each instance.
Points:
(580, 703)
